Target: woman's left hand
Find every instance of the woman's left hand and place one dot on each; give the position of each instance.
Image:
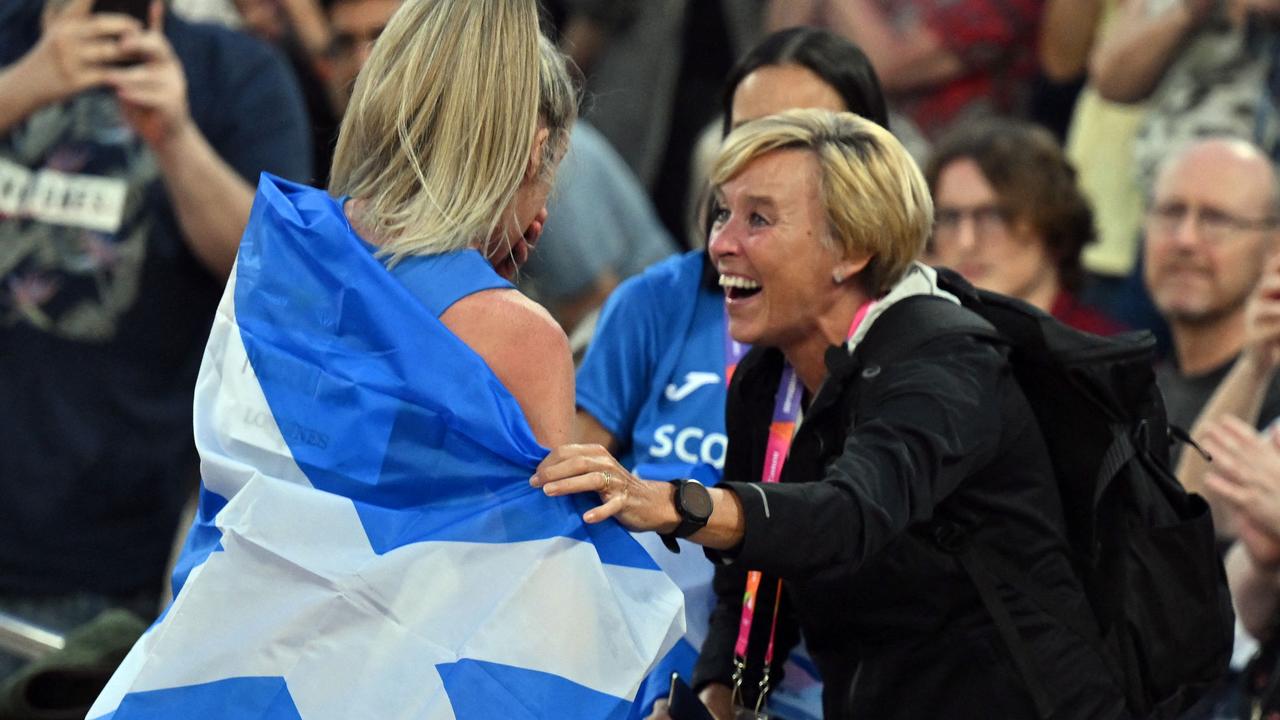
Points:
(638, 504)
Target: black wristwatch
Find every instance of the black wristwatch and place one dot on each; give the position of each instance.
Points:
(693, 503)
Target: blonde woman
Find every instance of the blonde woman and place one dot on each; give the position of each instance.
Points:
(448, 176)
(372, 401)
(820, 219)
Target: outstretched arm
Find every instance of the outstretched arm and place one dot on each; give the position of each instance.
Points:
(935, 424)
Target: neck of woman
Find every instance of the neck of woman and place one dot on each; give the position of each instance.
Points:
(807, 353)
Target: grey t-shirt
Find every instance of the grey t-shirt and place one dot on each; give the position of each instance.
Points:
(1186, 395)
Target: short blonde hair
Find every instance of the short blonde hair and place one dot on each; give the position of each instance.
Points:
(442, 121)
(876, 199)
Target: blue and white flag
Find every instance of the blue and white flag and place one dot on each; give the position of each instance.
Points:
(367, 543)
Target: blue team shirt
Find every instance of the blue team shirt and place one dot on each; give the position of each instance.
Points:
(661, 329)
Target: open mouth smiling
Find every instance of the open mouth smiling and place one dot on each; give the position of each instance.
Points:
(737, 287)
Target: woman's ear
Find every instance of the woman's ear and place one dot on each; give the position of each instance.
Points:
(535, 156)
(850, 266)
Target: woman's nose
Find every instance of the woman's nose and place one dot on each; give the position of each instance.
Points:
(723, 241)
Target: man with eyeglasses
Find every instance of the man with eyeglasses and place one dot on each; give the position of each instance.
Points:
(1211, 268)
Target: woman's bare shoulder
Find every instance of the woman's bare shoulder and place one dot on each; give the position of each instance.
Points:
(526, 350)
(504, 314)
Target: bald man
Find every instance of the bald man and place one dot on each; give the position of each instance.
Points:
(1211, 234)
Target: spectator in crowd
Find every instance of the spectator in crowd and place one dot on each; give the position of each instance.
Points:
(654, 70)
(652, 385)
(819, 219)
(301, 31)
(939, 61)
(1100, 144)
(1212, 225)
(355, 25)
(294, 24)
(129, 154)
(1010, 217)
(1202, 67)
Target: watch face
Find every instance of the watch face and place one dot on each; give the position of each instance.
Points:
(695, 500)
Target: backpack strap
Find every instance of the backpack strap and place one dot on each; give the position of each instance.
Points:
(907, 325)
(983, 582)
(916, 320)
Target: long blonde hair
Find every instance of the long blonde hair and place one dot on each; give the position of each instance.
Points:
(441, 124)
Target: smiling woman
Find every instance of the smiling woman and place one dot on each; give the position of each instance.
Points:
(652, 385)
(820, 218)
(801, 240)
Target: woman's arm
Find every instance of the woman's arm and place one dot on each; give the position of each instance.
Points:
(1131, 59)
(527, 351)
(638, 504)
(935, 423)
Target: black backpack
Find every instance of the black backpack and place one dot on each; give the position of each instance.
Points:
(1143, 547)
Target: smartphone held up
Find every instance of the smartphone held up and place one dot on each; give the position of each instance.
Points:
(136, 9)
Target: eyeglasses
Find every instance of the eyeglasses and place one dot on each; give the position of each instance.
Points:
(987, 220)
(1212, 225)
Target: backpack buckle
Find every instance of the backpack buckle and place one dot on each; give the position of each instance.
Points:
(949, 537)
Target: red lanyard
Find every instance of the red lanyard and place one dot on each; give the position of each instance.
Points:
(786, 410)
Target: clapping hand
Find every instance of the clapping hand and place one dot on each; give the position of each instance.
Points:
(1246, 474)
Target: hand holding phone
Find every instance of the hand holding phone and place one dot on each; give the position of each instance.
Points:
(76, 51)
(683, 704)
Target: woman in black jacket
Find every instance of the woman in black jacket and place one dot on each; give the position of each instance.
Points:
(820, 218)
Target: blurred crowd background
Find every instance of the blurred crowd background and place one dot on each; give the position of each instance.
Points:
(1117, 84)
(1110, 161)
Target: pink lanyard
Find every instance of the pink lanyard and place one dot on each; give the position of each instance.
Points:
(786, 410)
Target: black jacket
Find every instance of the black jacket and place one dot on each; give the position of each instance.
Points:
(895, 626)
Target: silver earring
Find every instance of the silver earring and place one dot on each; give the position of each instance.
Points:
(838, 277)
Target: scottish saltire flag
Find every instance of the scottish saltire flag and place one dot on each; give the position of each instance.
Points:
(367, 543)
